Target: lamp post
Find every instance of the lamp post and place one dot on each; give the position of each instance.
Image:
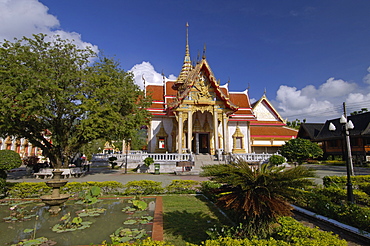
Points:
(346, 126)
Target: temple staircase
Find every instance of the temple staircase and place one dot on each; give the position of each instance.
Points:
(199, 161)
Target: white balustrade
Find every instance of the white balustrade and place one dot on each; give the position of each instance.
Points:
(252, 157)
(139, 156)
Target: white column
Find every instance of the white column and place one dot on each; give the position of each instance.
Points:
(180, 127)
(215, 130)
(150, 137)
(197, 143)
(225, 133)
(190, 129)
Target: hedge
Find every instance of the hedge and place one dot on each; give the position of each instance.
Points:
(142, 187)
(341, 181)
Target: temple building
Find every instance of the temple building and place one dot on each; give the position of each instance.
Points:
(196, 114)
(19, 145)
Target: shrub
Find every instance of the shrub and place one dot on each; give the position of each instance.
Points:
(341, 181)
(107, 187)
(182, 187)
(145, 242)
(27, 190)
(365, 187)
(276, 160)
(350, 214)
(8, 160)
(31, 190)
(112, 160)
(148, 161)
(143, 187)
(207, 187)
(2, 187)
(295, 233)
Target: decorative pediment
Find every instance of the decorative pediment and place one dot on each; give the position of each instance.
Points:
(201, 87)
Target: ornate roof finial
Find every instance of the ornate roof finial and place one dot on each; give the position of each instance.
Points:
(264, 92)
(186, 67)
(204, 52)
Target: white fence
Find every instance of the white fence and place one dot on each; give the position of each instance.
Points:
(140, 156)
(251, 157)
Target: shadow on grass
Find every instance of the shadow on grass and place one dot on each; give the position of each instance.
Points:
(222, 217)
(191, 227)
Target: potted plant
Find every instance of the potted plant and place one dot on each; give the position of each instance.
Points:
(147, 162)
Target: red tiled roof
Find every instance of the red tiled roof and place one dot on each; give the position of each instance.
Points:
(156, 92)
(272, 131)
(169, 90)
(268, 123)
(224, 91)
(240, 99)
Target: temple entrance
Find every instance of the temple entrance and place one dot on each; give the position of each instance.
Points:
(203, 143)
(200, 143)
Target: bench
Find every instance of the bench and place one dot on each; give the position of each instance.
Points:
(77, 172)
(44, 173)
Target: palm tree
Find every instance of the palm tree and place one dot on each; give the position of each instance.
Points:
(257, 198)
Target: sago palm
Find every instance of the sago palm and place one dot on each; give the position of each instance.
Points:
(257, 197)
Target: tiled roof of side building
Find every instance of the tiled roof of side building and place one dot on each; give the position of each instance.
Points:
(169, 90)
(272, 131)
(268, 123)
(240, 99)
(224, 91)
(157, 105)
(156, 92)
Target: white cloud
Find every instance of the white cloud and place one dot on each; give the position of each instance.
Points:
(322, 103)
(336, 88)
(146, 70)
(20, 18)
(367, 77)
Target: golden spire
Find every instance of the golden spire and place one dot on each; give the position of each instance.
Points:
(186, 67)
(204, 52)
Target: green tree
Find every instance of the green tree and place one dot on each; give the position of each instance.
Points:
(8, 160)
(276, 160)
(257, 197)
(57, 98)
(299, 150)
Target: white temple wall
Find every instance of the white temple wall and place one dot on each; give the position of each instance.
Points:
(155, 127)
(244, 128)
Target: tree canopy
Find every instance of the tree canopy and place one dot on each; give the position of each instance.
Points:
(299, 149)
(8, 160)
(60, 97)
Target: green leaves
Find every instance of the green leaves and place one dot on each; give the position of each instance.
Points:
(300, 149)
(47, 84)
(256, 196)
(9, 159)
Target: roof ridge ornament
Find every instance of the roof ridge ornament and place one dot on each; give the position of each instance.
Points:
(204, 52)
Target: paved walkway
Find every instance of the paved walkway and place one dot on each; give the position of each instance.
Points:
(106, 174)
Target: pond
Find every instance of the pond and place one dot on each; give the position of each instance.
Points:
(97, 221)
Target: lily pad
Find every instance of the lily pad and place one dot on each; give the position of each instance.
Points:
(129, 222)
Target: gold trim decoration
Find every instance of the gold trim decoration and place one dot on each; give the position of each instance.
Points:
(238, 136)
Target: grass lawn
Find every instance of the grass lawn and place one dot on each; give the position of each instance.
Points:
(187, 217)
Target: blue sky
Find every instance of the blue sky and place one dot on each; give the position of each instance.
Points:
(309, 56)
